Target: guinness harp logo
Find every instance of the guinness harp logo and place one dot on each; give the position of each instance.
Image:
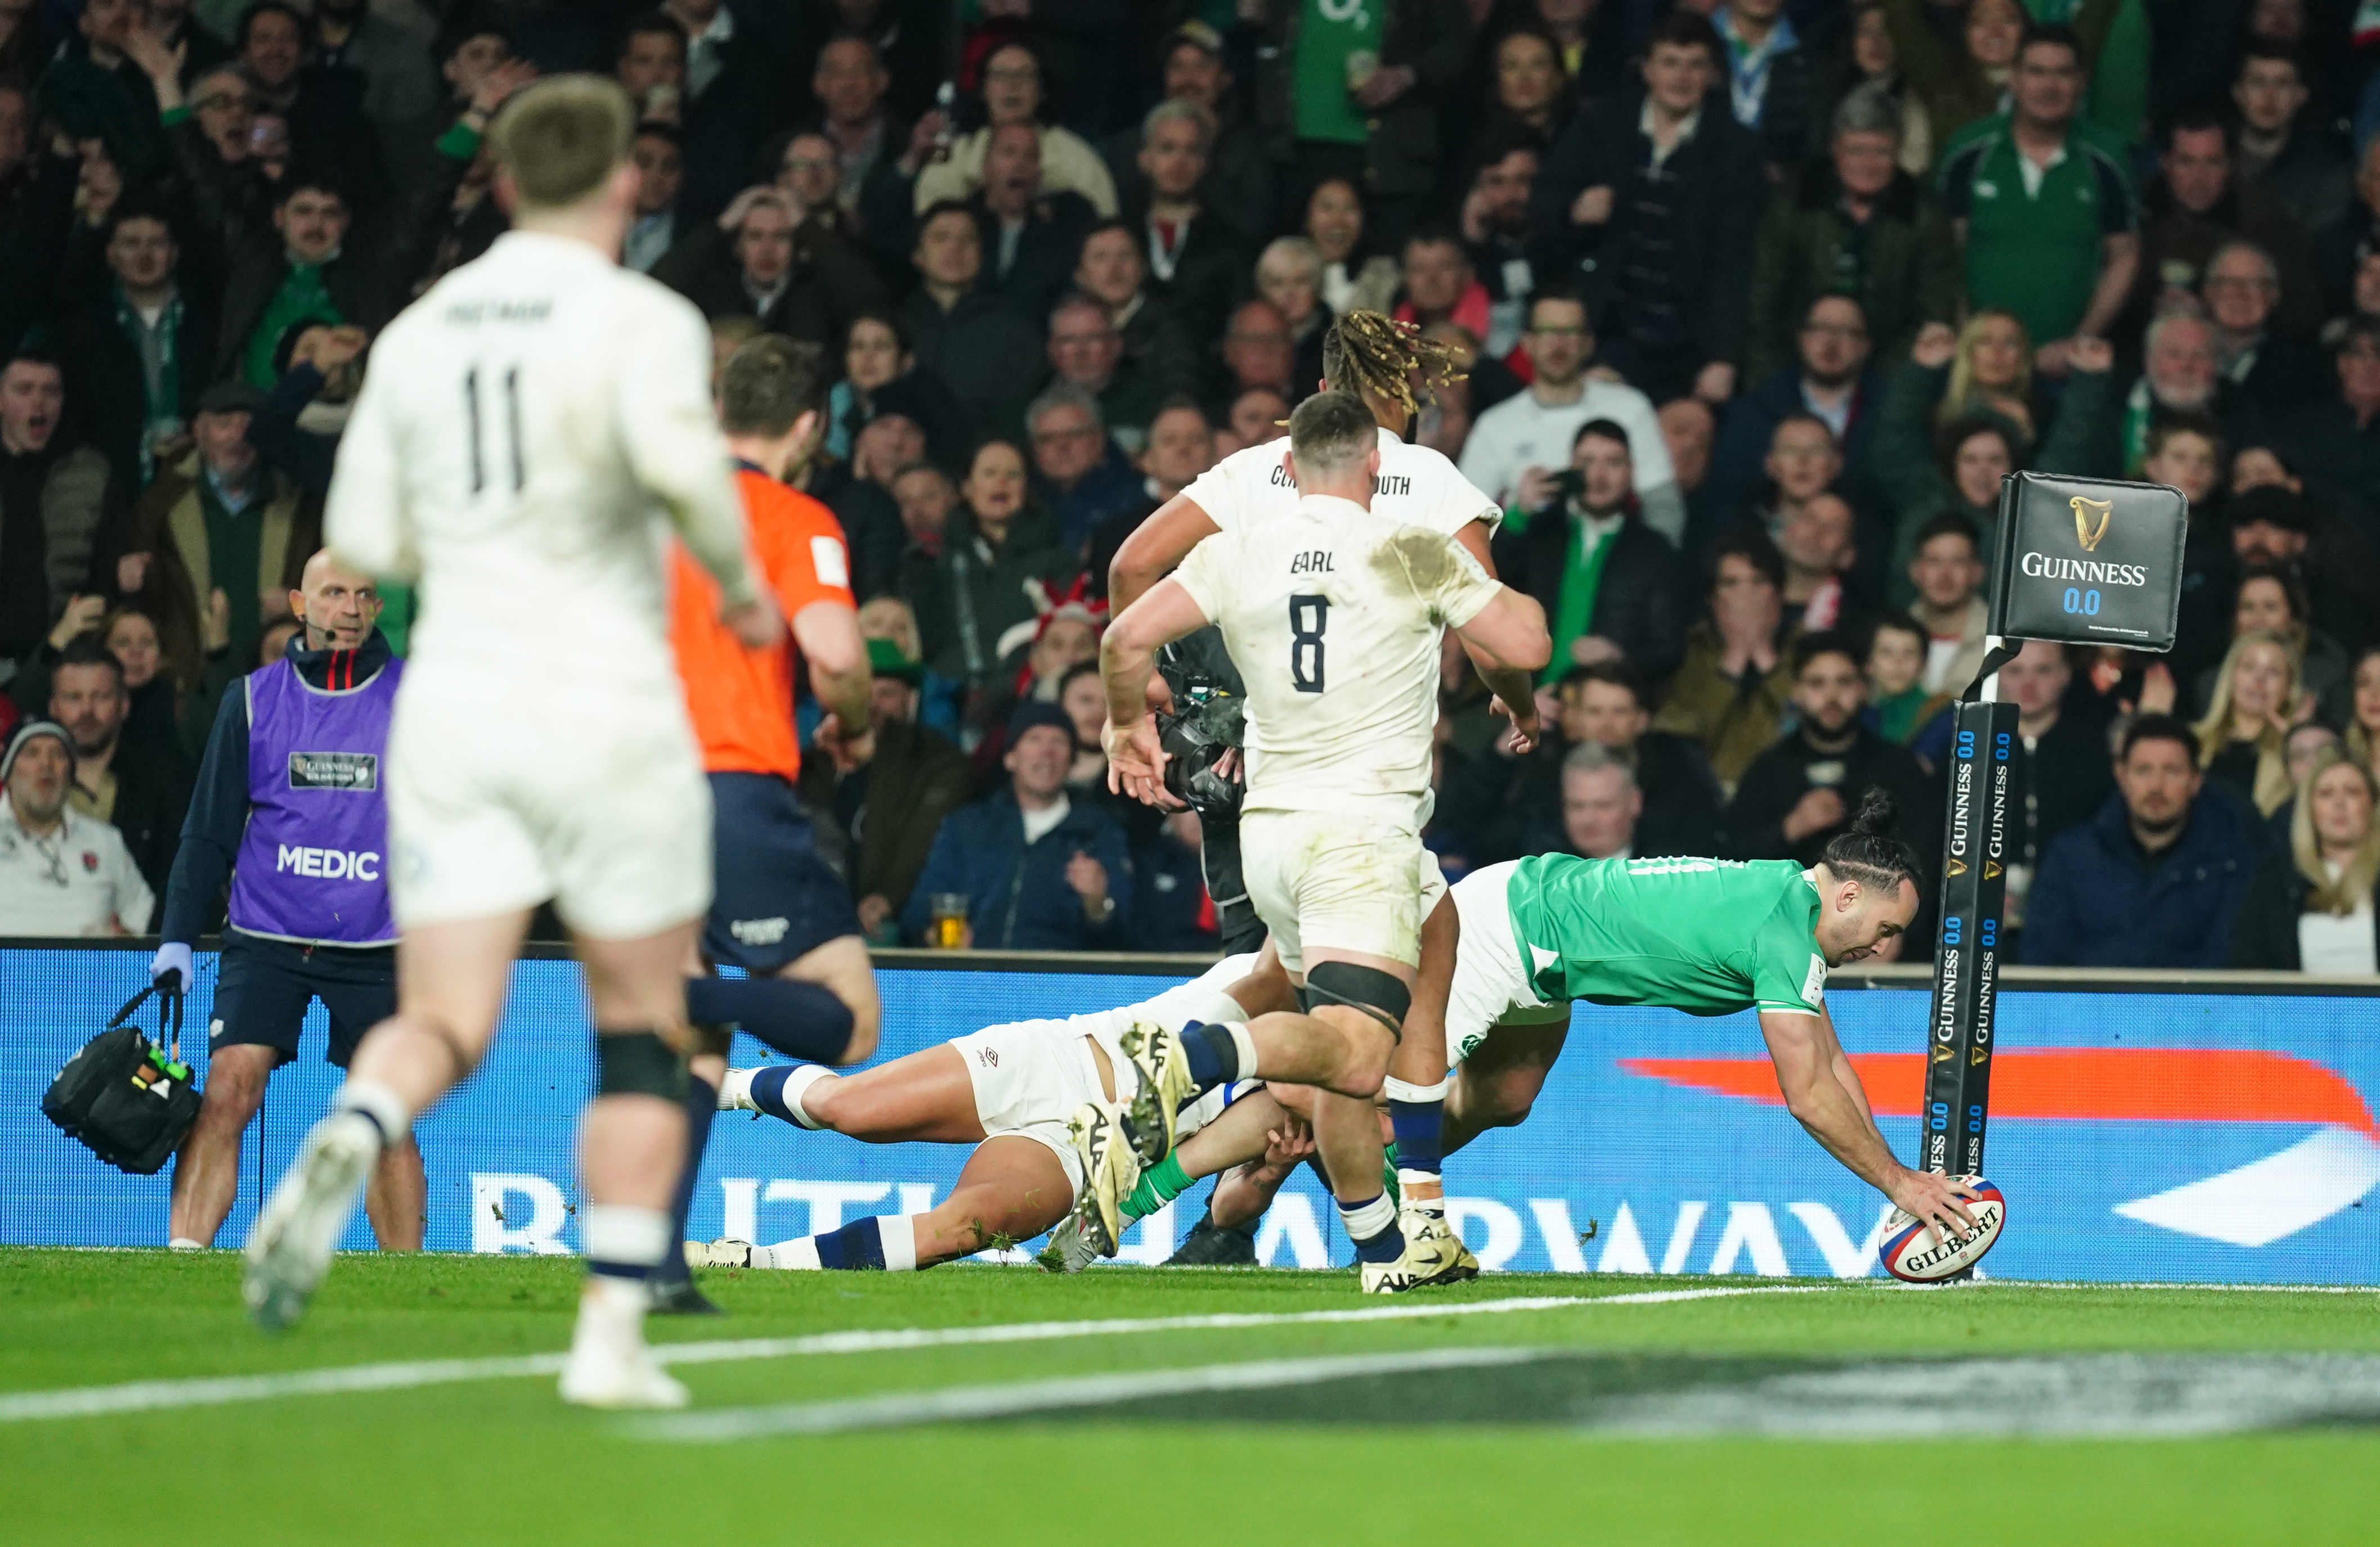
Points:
(2084, 532)
(1957, 867)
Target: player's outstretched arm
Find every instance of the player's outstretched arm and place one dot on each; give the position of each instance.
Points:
(1154, 548)
(1824, 1097)
(1508, 642)
(1127, 657)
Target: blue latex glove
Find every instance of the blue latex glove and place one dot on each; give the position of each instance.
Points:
(173, 957)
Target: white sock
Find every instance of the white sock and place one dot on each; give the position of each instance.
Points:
(1246, 1046)
(1365, 1221)
(898, 1238)
(801, 1253)
(736, 1091)
(184, 1243)
(800, 1080)
(611, 1310)
(1399, 1090)
(1406, 1183)
(629, 1237)
(384, 1106)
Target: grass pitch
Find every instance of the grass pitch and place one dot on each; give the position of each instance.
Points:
(1998, 1413)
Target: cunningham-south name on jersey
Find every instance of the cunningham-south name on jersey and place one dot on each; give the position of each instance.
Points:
(1417, 486)
(1333, 613)
(522, 432)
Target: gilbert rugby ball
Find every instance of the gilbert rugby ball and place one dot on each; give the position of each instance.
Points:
(1912, 1254)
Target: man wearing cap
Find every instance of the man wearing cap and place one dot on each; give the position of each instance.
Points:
(1040, 872)
(2335, 437)
(2278, 526)
(291, 807)
(61, 873)
(219, 541)
(889, 805)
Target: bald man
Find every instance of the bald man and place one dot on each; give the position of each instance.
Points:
(289, 809)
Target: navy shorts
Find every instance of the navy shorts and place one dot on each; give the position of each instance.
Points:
(265, 985)
(775, 899)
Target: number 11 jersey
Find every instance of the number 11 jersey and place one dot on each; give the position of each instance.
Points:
(1333, 613)
(523, 431)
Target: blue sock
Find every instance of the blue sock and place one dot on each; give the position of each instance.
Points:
(1417, 1123)
(768, 1091)
(800, 1021)
(859, 1244)
(701, 1107)
(1213, 1057)
(1372, 1225)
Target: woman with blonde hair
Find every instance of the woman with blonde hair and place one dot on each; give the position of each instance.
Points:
(2310, 909)
(1991, 368)
(2363, 724)
(2257, 699)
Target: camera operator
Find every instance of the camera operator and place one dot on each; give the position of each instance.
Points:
(1608, 583)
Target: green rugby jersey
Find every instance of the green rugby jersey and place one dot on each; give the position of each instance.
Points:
(1710, 937)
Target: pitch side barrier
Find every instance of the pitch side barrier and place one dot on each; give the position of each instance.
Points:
(2178, 1126)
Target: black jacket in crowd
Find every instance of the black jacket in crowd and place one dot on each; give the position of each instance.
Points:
(1753, 824)
(1639, 605)
(1721, 191)
(2264, 934)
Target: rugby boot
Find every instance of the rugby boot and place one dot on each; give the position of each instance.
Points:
(725, 1253)
(1111, 1170)
(1153, 1115)
(1069, 1251)
(289, 1248)
(609, 1365)
(1433, 1255)
(1418, 1223)
(1217, 1246)
(680, 1297)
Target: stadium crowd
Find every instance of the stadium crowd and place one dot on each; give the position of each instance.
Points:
(1758, 301)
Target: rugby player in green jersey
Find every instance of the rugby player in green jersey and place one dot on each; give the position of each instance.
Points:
(1710, 937)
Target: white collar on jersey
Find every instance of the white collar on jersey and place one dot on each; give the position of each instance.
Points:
(1329, 507)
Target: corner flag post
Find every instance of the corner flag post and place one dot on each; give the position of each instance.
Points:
(2077, 561)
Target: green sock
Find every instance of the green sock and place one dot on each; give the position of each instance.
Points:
(1159, 1185)
(1389, 1174)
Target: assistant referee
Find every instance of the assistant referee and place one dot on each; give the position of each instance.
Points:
(290, 806)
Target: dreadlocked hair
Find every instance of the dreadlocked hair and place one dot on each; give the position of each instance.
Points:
(1374, 356)
(1868, 852)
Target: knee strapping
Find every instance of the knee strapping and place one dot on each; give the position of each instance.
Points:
(1377, 993)
(639, 1063)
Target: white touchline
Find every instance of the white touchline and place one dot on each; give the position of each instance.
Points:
(143, 1397)
(954, 1403)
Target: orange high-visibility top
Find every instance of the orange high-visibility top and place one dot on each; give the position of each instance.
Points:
(742, 700)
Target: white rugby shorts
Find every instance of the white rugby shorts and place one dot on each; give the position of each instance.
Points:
(1338, 880)
(595, 799)
(1030, 1076)
(1491, 986)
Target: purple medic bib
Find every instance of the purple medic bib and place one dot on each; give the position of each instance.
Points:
(311, 863)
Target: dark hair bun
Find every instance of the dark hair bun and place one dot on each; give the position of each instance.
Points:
(1878, 814)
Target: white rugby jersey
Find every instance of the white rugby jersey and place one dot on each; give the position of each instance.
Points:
(80, 879)
(1416, 487)
(524, 430)
(1332, 613)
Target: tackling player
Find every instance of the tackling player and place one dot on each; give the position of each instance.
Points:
(778, 912)
(1379, 360)
(1010, 1090)
(1333, 613)
(524, 430)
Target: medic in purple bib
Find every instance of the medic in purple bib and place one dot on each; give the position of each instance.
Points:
(290, 806)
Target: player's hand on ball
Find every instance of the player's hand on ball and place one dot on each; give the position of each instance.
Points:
(757, 623)
(1940, 1201)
